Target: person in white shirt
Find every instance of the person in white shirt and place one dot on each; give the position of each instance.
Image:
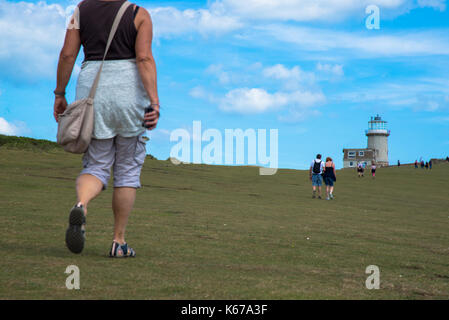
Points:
(315, 175)
(360, 169)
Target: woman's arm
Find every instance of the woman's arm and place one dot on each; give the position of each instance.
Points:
(67, 58)
(146, 64)
(144, 55)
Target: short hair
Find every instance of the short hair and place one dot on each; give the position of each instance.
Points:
(318, 156)
(328, 159)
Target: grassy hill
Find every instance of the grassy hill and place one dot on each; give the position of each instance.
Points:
(215, 232)
(24, 143)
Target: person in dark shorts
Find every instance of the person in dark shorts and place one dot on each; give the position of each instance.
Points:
(373, 170)
(329, 177)
(315, 175)
(360, 169)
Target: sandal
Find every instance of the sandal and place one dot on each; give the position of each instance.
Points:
(75, 234)
(121, 250)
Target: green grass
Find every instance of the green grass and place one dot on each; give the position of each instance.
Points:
(24, 143)
(215, 232)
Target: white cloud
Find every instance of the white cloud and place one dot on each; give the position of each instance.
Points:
(217, 70)
(362, 44)
(428, 95)
(254, 100)
(441, 119)
(431, 102)
(336, 69)
(257, 100)
(198, 92)
(250, 19)
(297, 91)
(316, 10)
(281, 72)
(306, 99)
(12, 129)
(436, 4)
(31, 36)
(169, 21)
(291, 78)
(224, 16)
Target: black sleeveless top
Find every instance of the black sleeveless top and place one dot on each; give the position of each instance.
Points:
(96, 18)
(329, 172)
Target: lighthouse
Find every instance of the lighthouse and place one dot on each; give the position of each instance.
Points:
(377, 149)
(378, 134)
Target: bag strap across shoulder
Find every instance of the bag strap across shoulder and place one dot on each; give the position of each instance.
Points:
(115, 24)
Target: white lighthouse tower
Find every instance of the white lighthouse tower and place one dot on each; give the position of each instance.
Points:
(377, 134)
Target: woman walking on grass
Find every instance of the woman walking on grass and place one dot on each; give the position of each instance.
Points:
(127, 85)
(329, 176)
(373, 170)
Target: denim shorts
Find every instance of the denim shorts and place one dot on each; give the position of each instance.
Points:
(124, 155)
(329, 181)
(317, 180)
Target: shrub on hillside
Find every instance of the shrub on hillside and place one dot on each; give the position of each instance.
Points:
(27, 143)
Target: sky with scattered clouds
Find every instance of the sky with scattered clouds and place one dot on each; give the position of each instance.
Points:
(310, 69)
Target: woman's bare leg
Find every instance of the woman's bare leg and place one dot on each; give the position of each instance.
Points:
(87, 188)
(122, 204)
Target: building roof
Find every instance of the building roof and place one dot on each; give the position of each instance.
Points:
(357, 149)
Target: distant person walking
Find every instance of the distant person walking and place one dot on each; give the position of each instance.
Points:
(360, 170)
(329, 177)
(422, 164)
(399, 163)
(427, 165)
(430, 164)
(373, 170)
(315, 172)
(126, 87)
(416, 164)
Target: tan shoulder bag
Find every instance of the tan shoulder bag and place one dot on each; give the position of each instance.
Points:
(76, 124)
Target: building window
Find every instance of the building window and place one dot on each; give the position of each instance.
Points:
(361, 153)
(351, 154)
(351, 164)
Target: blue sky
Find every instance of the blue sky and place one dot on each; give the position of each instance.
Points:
(310, 69)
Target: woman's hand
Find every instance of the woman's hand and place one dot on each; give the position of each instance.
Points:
(59, 106)
(151, 119)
